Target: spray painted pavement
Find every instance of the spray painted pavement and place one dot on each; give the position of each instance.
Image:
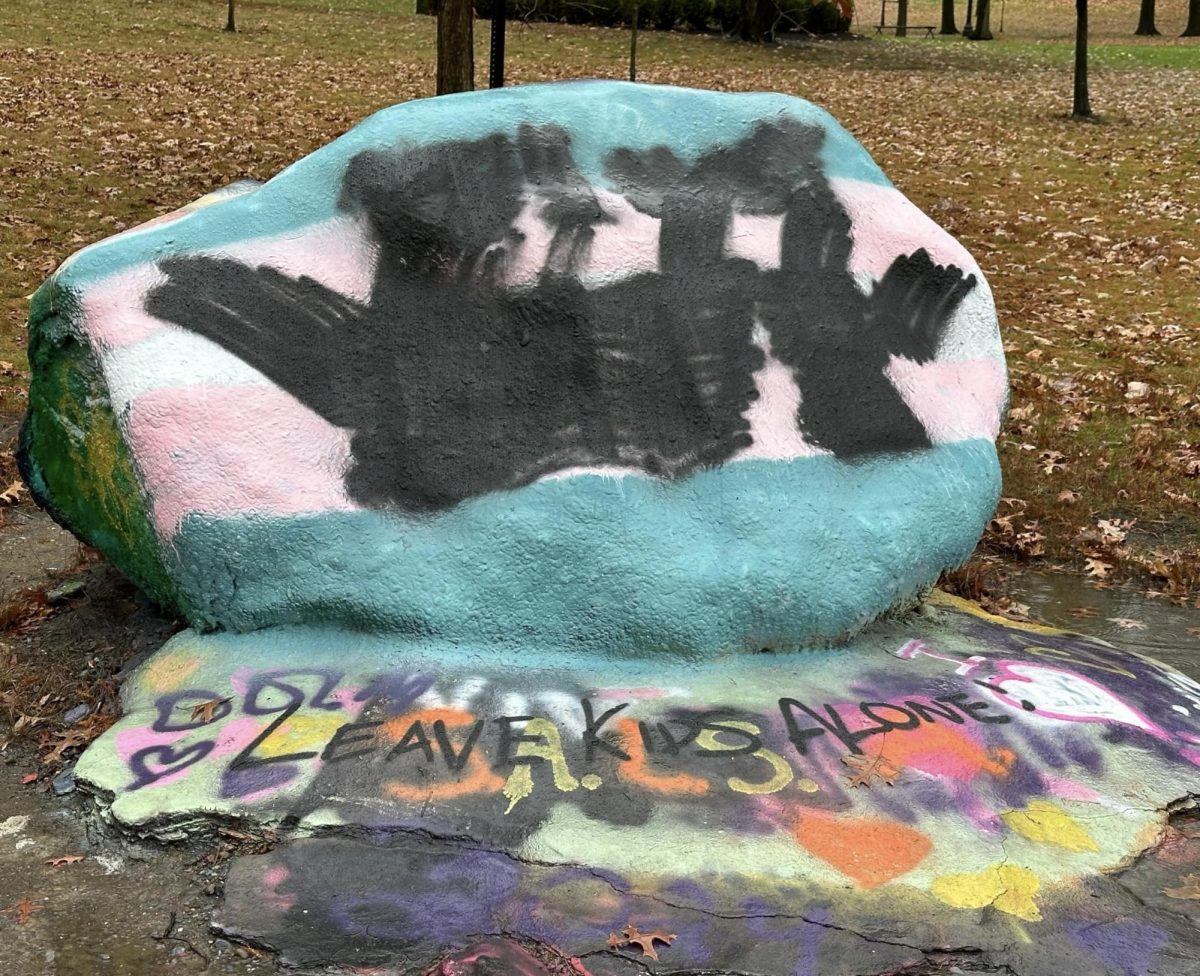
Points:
(950, 787)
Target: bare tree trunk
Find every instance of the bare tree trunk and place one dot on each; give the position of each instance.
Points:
(229, 19)
(1081, 106)
(1193, 24)
(902, 18)
(1145, 26)
(948, 18)
(758, 21)
(426, 8)
(455, 46)
(983, 26)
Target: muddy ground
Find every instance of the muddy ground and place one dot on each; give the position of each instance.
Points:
(76, 900)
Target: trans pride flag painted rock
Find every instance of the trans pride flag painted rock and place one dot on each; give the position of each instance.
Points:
(571, 365)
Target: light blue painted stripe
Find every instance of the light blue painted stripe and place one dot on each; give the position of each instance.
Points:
(758, 553)
(600, 116)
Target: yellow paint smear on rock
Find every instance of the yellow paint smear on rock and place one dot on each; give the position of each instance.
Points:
(1005, 887)
(941, 598)
(1045, 823)
(166, 672)
(301, 732)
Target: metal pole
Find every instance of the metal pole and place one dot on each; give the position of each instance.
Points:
(633, 43)
(496, 60)
(967, 25)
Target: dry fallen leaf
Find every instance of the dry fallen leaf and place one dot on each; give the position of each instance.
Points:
(630, 936)
(72, 739)
(29, 778)
(868, 768)
(58, 862)
(23, 909)
(12, 494)
(1083, 612)
(1189, 889)
(1113, 531)
(1097, 569)
(204, 711)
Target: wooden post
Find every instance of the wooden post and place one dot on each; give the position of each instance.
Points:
(455, 47)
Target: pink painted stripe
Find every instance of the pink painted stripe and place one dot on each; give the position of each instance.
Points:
(236, 450)
(112, 308)
(954, 401)
(338, 254)
(887, 224)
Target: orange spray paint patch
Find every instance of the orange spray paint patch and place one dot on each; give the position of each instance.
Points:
(941, 750)
(637, 770)
(473, 774)
(869, 851)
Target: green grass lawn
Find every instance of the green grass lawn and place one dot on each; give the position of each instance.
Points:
(113, 111)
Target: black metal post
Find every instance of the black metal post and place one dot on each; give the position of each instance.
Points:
(496, 61)
(967, 26)
(633, 43)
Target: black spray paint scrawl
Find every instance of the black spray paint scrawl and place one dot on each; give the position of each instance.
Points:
(455, 383)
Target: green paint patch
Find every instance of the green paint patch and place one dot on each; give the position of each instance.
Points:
(74, 456)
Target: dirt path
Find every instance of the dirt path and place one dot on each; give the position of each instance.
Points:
(69, 626)
(77, 903)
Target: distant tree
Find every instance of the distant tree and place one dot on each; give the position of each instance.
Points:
(1145, 25)
(758, 21)
(229, 18)
(902, 18)
(427, 8)
(1193, 24)
(983, 22)
(455, 46)
(1081, 106)
(948, 18)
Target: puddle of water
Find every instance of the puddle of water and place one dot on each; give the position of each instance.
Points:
(1162, 634)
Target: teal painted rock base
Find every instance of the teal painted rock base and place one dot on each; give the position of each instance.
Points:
(949, 789)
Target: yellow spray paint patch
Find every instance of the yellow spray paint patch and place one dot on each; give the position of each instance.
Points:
(518, 786)
(940, 598)
(781, 772)
(166, 672)
(301, 733)
(1005, 887)
(1045, 823)
(520, 781)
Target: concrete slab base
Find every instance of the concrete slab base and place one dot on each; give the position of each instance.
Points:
(949, 790)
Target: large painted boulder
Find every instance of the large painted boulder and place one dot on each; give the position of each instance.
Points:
(587, 364)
